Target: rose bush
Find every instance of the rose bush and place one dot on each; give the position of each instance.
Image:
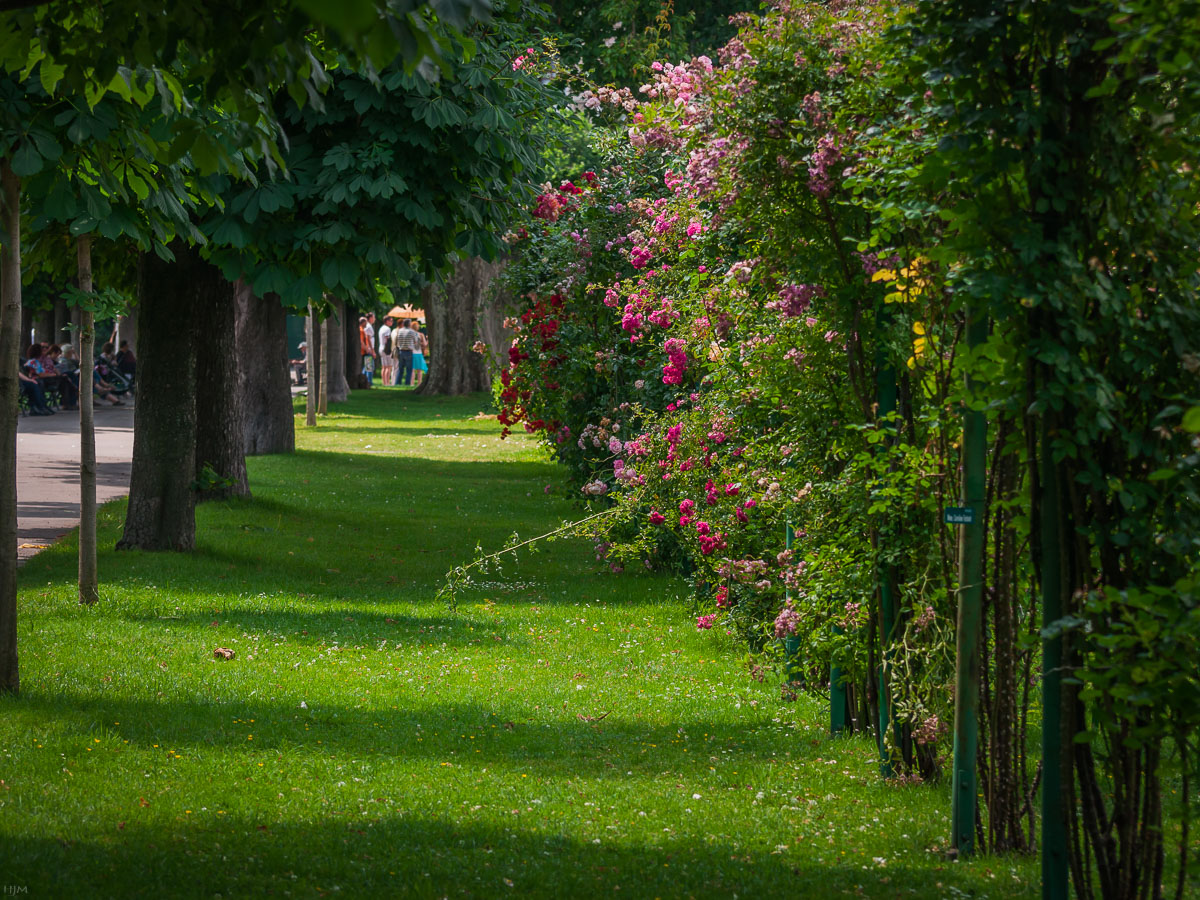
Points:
(753, 316)
(700, 344)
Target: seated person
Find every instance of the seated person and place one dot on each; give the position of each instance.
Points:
(103, 389)
(126, 362)
(67, 386)
(116, 381)
(299, 367)
(31, 389)
(69, 361)
(42, 367)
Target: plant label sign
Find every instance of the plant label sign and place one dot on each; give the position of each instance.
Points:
(959, 515)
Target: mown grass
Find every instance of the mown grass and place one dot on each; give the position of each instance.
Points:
(565, 732)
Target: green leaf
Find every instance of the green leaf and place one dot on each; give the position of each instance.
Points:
(1191, 419)
(26, 160)
(50, 74)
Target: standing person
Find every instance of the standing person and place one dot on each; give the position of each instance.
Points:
(405, 342)
(420, 365)
(368, 352)
(370, 332)
(386, 360)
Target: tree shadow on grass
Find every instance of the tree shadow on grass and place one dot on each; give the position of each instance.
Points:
(466, 428)
(353, 626)
(391, 851)
(508, 732)
(398, 534)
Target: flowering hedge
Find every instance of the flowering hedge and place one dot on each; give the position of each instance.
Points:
(754, 315)
(700, 343)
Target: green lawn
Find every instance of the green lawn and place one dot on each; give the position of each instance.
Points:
(567, 731)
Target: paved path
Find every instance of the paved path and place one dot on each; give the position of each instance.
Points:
(48, 471)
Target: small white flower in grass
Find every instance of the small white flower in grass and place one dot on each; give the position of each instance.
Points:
(695, 796)
(880, 860)
(303, 705)
(595, 840)
(759, 795)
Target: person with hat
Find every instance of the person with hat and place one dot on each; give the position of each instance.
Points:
(299, 367)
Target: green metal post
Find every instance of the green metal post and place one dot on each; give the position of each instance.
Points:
(1054, 824)
(887, 394)
(971, 543)
(838, 701)
(791, 644)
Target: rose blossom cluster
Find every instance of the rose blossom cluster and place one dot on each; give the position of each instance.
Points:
(676, 351)
(795, 299)
(621, 98)
(822, 164)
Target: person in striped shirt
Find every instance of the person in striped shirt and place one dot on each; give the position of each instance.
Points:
(405, 342)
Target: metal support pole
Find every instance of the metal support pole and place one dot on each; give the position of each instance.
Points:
(839, 707)
(791, 644)
(887, 395)
(1054, 824)
(971, 543)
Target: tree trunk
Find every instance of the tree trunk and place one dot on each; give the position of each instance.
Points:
(489, 327)
(323, 384)
(76, 315)
(312, 376)
(451, 314)
(354, 374)
(220, 419)
(264, 386)
(162, 502)
(62, 323)
(89, 579)
(339, 389)
(43, 325)
(10, 338)
(26, 331)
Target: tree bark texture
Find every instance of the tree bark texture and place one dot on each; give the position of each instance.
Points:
(220, 421)
(26, 331)
(89, 579)
(10, 338)
(489, 326)
(353, 367)
(264, 385)
(76, 315)
(338, 388)
(323, 383)
(452, 313)
(312, 333)
(162, 503)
